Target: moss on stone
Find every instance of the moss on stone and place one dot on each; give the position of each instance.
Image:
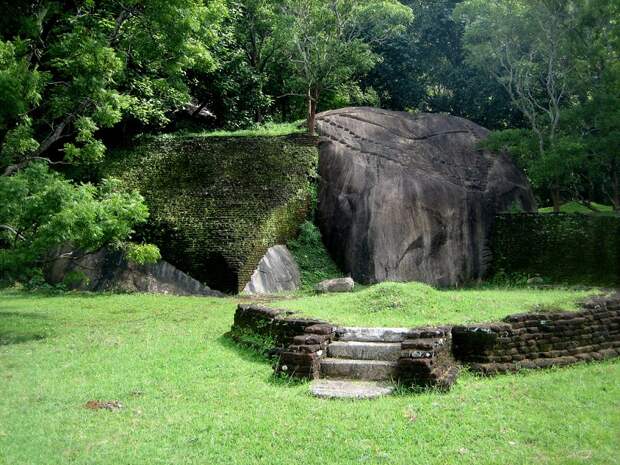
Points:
(218, 204)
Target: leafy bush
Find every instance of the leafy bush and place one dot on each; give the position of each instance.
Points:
(42, 212)
(314, 262)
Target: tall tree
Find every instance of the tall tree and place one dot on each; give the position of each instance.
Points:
(558, 62)
(83, 65)
(525, 46)
(424, 69)
(67, 69)
(330, 41)
(596, 111)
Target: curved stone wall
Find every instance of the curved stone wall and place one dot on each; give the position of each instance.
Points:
(431, 356)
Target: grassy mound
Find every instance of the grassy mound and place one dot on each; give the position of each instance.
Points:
(415, 304)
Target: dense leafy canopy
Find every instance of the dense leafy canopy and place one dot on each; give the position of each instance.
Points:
(558, 62)
(79, 75)
(68, 69)
(42, 212)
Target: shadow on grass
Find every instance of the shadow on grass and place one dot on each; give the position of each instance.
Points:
(21, 327)
(246, 351)
(251, 353)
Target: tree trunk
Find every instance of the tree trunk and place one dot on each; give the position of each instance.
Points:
(284, 108)
(312, 100)
(556, 199)
(616, 191)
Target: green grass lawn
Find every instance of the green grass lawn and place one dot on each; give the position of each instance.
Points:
(576, 207)
(265, 130)
(190, 396)
(415, 304)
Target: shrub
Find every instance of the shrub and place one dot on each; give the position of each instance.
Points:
(314, 262)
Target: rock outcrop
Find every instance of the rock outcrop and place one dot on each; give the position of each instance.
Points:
(277, 272)
(411, 197)
(108, 270)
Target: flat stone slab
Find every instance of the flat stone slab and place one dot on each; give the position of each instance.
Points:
(388, 351)
(366, 370)
(346, 389)
(372, 334)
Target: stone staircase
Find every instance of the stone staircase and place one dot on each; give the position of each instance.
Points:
(369, 354)
(358, 357)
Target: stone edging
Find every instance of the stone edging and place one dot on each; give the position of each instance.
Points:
(431, 356)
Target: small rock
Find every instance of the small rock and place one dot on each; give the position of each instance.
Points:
(349, 389)
(103, 405)
(536, 280)
(335, 285)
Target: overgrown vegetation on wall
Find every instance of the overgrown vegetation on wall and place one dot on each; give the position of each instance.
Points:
(312, 257)
(218, 204)
(560, 248)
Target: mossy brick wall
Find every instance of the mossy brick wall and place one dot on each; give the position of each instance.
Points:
(276, 325)
(431, 356)
(299, 342)
(541, 340)
(218, 204)
(565, 248)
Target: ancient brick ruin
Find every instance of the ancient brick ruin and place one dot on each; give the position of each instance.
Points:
(432, 357)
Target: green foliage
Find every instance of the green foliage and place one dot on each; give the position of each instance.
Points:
(329, 42)
(555, 166)
(235, 92)
(20, 87)
(67, 70)
(424, 69)
(557, 61)
(228, 201)
(79, 67)
(142, 253)
(42, 212)
(310, 254)
(75, 279)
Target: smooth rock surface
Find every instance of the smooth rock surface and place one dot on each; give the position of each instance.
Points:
(411, 197)
(108, 270)
(276, 272)
(344, 389)
(335, 285)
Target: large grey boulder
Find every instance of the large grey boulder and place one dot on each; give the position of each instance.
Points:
(335, 285)
(408, 197)
(108, 270)
(276, 272)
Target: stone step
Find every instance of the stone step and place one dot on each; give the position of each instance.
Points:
(372, 334)
(345, 389)
(369, 370)
(388, 351)
(423, 344)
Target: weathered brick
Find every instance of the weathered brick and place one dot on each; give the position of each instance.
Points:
(321, 329)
